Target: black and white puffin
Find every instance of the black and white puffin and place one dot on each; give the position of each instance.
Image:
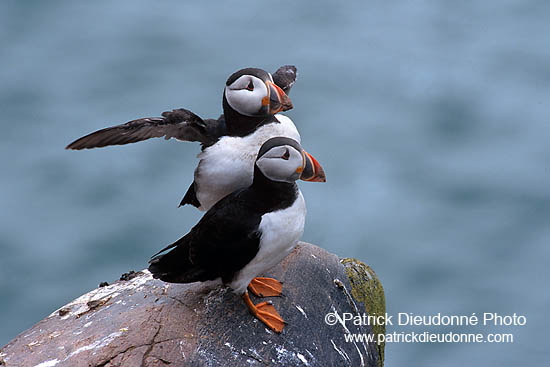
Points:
(248, 231)
(252, 100)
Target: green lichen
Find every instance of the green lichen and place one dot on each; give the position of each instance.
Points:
(366, 288)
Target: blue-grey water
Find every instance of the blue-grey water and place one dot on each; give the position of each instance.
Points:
(431, 119)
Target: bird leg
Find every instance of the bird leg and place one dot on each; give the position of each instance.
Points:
(265, 287)
(266, 313)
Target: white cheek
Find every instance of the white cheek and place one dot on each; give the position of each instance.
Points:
(248, 103)
(280, 170)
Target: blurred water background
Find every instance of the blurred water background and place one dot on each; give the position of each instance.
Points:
(429, 117)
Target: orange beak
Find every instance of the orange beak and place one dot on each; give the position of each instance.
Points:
(276, 100)
(312, 170)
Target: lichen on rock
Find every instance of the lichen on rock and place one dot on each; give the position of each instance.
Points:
(367, 288)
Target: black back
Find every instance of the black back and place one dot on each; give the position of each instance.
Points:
(227, 237)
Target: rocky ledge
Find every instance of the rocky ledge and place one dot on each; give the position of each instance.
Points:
(141, 321)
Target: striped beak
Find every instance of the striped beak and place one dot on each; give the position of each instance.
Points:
(277, 100)
(312, 170)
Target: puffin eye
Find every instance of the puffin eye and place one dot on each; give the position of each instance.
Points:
(250, 86)
(286, 156)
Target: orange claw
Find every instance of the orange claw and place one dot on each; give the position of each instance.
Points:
(265, 287)
(266, 313)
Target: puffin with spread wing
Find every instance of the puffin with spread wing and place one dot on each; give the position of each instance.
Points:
(252, 100)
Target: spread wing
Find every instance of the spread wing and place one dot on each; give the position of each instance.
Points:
(180, 124)
(285, 77)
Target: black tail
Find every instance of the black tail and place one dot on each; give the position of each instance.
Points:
(175, 266)
(191, 197)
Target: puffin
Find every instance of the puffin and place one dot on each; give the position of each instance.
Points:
(247, 232)
(252, 100)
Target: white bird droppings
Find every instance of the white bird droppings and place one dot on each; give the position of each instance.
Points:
(301, 310)
(340, 351)
(302, 358)
(50, 363)
(97, 344)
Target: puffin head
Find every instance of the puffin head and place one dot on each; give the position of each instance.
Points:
(251, 92)
(283, 159)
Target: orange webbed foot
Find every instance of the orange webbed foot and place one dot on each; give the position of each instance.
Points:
(266, 313)
(265, 287)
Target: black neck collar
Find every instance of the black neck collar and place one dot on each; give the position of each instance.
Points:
(272, 195)
(240, 125)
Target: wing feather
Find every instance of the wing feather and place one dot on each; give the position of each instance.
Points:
(285, 77)
(180, 124)
(223, 242)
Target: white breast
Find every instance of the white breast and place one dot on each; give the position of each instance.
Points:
(228, 165)
(280, 231)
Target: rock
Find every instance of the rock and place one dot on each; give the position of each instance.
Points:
(144, 321)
